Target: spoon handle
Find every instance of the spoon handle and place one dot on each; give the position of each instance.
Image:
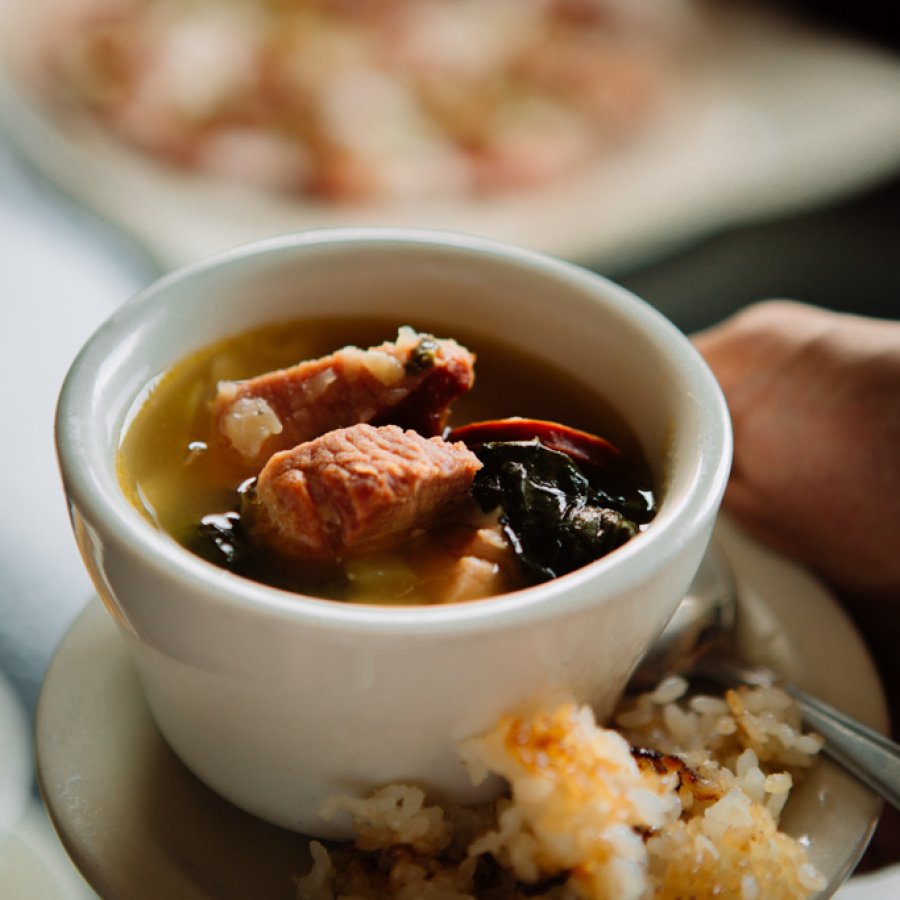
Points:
(870, 756)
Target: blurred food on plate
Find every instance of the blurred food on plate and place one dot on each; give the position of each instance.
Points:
(344, 101)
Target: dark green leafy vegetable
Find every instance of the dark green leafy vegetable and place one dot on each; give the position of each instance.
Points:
(220, 538)
(554, 517)
(422, 357)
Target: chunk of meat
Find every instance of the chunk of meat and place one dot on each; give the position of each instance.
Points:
(410, 382)
(358, 489)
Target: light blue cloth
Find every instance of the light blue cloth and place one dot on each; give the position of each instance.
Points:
(61, 273)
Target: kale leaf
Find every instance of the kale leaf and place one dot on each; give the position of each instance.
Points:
(220, 538)
(554, 517)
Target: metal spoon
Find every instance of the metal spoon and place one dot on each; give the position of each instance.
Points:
(699, 642)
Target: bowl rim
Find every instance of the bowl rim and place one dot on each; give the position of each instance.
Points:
(94, 492)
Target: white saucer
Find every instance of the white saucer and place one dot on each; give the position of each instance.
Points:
(139, 826)
(778, 116)
(15, 757)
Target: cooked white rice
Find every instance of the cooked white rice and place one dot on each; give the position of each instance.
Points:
(682, 799)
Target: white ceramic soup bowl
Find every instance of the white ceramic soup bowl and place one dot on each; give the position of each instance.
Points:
(277, 700)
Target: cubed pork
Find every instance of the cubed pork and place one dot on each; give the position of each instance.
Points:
(358, 489)
(410, 382)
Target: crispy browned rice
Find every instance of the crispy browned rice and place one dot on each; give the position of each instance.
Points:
(681, 799)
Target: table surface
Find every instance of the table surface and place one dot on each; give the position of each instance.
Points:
(62, 271)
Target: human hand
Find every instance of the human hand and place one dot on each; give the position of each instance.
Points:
(815, 405)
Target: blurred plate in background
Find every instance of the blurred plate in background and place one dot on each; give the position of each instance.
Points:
(779, 117)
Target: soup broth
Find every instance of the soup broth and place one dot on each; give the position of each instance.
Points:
(173, 468)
